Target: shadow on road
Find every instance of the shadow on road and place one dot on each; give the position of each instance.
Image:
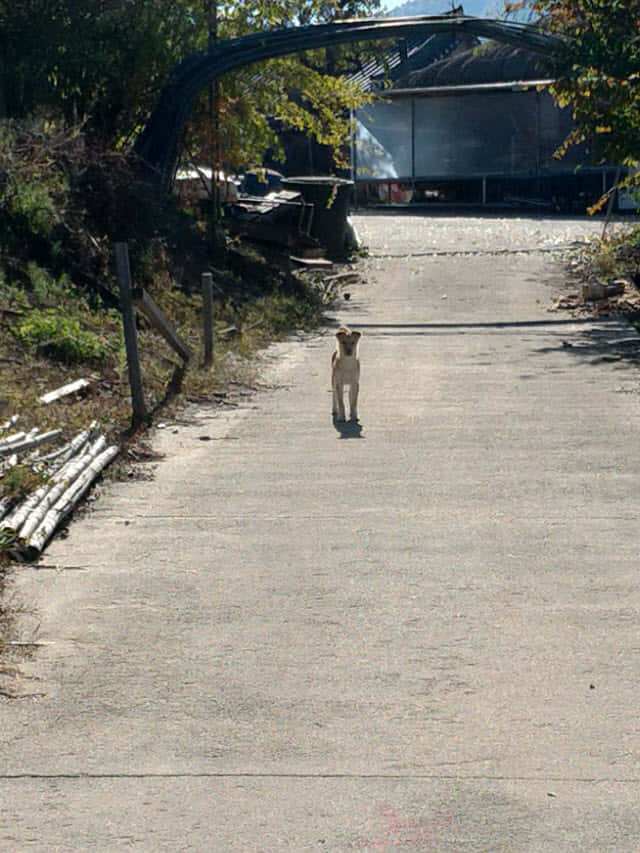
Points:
(596, 339)
(600, 344)
(348, 429)
(401, 328)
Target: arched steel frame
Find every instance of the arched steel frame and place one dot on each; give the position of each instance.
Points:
(156, 148)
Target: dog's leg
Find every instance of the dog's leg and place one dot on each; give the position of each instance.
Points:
(338, 400)
(353, 400)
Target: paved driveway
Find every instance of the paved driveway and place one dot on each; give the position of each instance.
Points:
(420, 635)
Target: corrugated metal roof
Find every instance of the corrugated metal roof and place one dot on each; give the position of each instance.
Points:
(408, 55)
(492, 63)
(398, 62)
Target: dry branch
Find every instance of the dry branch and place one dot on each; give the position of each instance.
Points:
(8, 424)
(13, 442)
(33, 439)
(5, 506)
(7, 445)
(344, 277)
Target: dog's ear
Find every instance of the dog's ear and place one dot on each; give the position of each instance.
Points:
(341, 335)
(356, 335)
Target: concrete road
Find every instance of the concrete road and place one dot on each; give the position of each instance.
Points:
(418, 635)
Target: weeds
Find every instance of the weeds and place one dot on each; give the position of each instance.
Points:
(617, 256)
(59, 338)
(18, 482)
(614, 256)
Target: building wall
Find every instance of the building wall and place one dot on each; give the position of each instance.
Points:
(475, 134)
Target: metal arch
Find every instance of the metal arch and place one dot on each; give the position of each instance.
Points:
(156, 147)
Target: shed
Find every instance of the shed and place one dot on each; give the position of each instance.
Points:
(478, 126)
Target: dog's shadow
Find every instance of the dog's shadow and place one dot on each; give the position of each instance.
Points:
(348, 429)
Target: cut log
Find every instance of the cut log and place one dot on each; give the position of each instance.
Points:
(15, 519)
(64, 506)
(65, 390)
(73, 472)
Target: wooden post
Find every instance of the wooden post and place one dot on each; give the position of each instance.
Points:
(207, 317)
(130, 336)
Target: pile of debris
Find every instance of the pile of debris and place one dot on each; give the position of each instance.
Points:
(282, 218)
(600, 299)
(64, 475)
(306, 216)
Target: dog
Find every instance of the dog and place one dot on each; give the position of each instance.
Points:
(345, 370)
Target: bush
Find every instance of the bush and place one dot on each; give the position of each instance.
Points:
(32, 205)
(60, 337)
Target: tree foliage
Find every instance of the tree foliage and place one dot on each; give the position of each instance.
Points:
(598, 72)
(100, 64)
(93, 63)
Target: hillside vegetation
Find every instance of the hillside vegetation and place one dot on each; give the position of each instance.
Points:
(63, 204)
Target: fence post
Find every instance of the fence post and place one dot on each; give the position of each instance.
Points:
(130, 336)
(207, 317)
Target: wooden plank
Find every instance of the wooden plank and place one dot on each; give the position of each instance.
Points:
(145, 304)
(65, 390)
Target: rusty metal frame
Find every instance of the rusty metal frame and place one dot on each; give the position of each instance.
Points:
(156, 148)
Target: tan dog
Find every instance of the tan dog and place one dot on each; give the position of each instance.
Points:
(345, 370)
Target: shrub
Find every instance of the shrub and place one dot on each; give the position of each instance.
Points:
(60, 337)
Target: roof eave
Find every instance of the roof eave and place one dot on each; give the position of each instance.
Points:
(513, 85)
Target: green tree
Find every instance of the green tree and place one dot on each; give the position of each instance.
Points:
(309, 92)
(598, 73)
(100, 64)
(96, 64)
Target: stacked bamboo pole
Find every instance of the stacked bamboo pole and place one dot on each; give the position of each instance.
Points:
(20, 441)
(69, 471)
